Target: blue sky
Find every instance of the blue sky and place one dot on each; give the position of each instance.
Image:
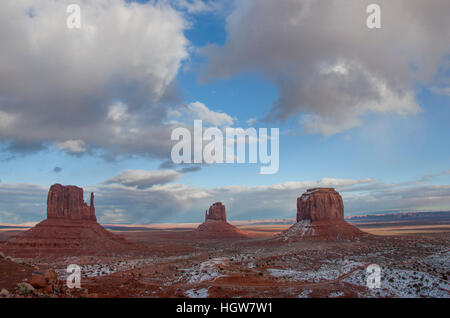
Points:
(369, 124)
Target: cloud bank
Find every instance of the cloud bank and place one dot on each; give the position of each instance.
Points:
(329, 68)
(104, 86)
(143, 197)
(142, 179)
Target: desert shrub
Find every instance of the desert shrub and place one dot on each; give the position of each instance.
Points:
(24, 288)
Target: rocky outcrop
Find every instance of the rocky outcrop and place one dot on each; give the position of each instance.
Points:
(71, 228)
(12, 272)
(320, 216)
(67, 202)
(216, 225)
(319, 204)
(216, 212)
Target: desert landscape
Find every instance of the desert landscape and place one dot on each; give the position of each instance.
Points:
(197, 155)
(321, 254)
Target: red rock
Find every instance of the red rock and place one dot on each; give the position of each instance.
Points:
(51, 276)
(216, 212)
(48, 289)
(320, 216)
(37, 281)
(319, 204)
(71, 228)
(216, 225)
(67, 202)
(11, 273)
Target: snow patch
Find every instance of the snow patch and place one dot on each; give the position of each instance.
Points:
(199, 293)
(305, 293)
(404, 283)
(328, 271)
(208, 270)
(301, 228)
(336, 294)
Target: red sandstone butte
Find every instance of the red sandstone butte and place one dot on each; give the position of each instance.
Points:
(66, 202)
(320, 216)
(320, 204)
(216, 212)
(216, 225)
(71, 228)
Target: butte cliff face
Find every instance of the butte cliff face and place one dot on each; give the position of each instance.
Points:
(216, 212)
(216, 225)
(320, 204)
(71, 228)
(66, 202)
(320, 216)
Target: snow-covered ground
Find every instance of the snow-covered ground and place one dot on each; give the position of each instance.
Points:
(336, 294)
(305, 293)
(300, 228)
(197, 293)
(439, 262)
(104, 269)
(208, 270)
(397, 282)
(328, 271)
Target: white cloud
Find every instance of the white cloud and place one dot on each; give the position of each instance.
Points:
(441, 90)
(196, 6)
(198, 110)
(327, 64)
(327, 126)
(251, 122)
(72, 146)
(32, 199)
(337, 83)
(183, 203)
(107, 83)
(6, 120)
(117, 112)
(143, 179)
(133, 199)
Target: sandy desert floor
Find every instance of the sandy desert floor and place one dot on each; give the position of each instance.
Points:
(413, 264)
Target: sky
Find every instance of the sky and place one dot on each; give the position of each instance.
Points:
(366, 111)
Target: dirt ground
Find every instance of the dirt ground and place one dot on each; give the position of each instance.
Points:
(413, 265)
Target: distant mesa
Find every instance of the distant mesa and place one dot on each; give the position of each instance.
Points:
(320, 216)
(71, 228)
(216, 225)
